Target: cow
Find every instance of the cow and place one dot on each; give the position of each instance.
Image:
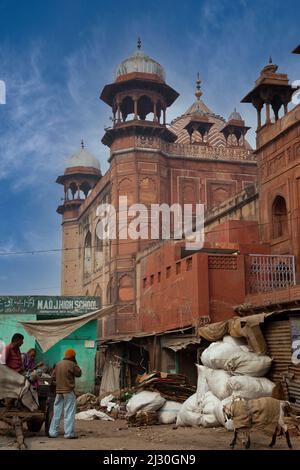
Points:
(16, 386)
(262, 413)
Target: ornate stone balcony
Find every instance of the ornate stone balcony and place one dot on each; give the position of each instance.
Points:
(199, 151)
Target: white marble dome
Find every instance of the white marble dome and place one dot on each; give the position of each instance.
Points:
(235, 115)
(140, 62)
(82, 158)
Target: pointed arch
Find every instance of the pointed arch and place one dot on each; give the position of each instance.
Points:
(99, 254)
(148, 190)
(145, 107)
(127, 107)
(98, 293)
(279, 217)
(87, 256)
(125, 188)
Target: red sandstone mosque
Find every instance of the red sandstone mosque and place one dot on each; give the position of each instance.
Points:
(199, 157)
(251, 196)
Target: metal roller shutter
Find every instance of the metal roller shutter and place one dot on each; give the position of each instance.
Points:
(278, 338)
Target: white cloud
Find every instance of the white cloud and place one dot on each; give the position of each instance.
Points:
(44, 120)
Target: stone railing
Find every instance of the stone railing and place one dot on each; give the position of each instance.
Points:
(196, 150)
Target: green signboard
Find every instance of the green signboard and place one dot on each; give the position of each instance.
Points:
(49, 305)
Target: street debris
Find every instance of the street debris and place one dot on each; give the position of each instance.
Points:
(229, 370)
(89, 415)
(171, 386)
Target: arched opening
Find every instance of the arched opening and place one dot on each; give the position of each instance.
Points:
(98, 293)
(279, 217)
(127, 108)
(69, 195)
(98, 249)
(72, 190)
(276, 105)
(145, 106)
(87, 259)
(159, 108)
(85, 188)
(110, 294)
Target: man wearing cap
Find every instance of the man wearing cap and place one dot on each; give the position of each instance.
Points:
(64, 376)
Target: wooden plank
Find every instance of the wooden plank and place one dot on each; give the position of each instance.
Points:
(22, 414)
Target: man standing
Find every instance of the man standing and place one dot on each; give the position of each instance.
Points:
(13, 357)
(64, 376)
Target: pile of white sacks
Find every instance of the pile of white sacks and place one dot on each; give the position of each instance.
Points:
(229, 370)
(167, 410)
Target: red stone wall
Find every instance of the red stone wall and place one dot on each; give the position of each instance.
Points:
(279, 175)
(177, 292)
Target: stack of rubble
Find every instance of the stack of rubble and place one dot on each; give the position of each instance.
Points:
(173, 387)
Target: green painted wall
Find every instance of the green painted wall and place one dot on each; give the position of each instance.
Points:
(27, 308)
(9, 325)
(85, 356)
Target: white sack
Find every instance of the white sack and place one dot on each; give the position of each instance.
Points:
(217, 353)
(248, 363)
(238, 342)
(220, 414)
(250, 387)
(208, 420)
(208, 405)
(190, 412)
(146, 401)
(167, 414)
(217, 381)
(202, 386)
(89, 415)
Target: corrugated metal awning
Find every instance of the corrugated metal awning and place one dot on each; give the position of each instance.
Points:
(179, 342)
(120, 339)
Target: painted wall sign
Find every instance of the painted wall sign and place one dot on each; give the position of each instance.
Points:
(49, 305)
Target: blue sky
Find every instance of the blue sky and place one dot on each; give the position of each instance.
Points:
(56, 56)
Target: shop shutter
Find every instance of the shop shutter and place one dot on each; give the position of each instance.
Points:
(278, 337)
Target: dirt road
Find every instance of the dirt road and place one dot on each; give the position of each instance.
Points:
(103, 435)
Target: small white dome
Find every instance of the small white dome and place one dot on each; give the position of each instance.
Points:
(139, 62)
(235, 115)
(82, 158)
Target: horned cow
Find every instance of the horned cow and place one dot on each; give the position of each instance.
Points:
(262, 413)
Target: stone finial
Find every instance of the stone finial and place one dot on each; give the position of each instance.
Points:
(139, 43)
(198, 91)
